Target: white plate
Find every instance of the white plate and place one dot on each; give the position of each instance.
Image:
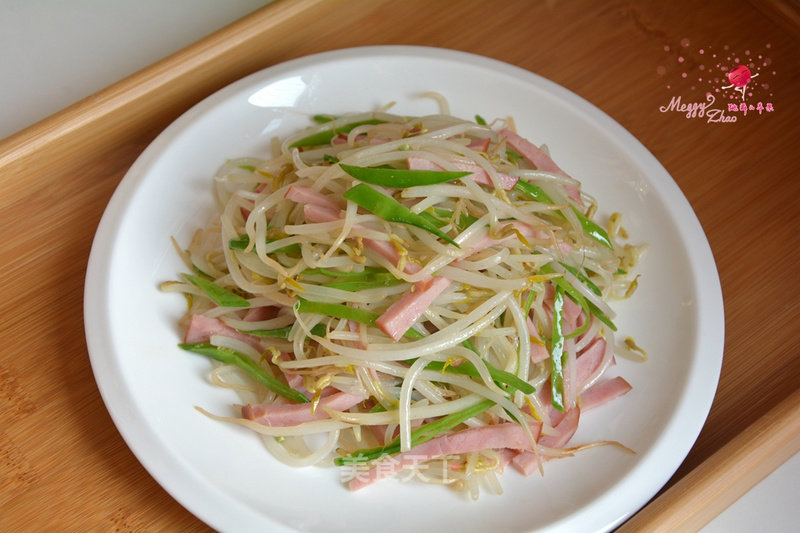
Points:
(222, 473)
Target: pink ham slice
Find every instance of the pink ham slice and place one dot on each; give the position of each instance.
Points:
(526, 230)
(566, 429)
(539, 352)
(603, 392)
(595, 396)
(256, 314)
(404, 313)
(306, 195)
(539, 159)
(526, 461)
(282, 415)
(505, 435)
(589, 359)
(478, 174)
(479, 145)
(201, 328)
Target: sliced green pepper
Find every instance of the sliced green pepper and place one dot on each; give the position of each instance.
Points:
(500, 377)
(232, 357)
(557, 354)
(339, 274)
(590, 228)
(581, 276)
(578, 298)
(464, 220)
(369, 278)
(400, 178)
(324, 137)
(281, 333)
(338, 311)
(219, 295)
(390, 209)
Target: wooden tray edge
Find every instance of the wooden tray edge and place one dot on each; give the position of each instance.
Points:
(97, 122)
(132, 105)
(701, 495)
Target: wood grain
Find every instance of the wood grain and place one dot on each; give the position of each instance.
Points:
(63, 465)
(720, 480)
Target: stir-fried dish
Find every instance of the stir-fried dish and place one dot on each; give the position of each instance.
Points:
(421, 297)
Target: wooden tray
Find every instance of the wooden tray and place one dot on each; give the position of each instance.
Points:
(64, 465)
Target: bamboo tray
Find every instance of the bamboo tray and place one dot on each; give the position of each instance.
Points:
(64, 465)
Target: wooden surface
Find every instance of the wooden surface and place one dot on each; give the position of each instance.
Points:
(724, 477)
(64, 466)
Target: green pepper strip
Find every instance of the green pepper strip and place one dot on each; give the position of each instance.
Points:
(338, 311)
(232, 357)
(500, 377)
(400, 178)
(243, 241)
(422, 434)
(590, 228)
(464, 221)
(338, 274)
(219, 295)
(371, 277)
(528, 302)
(557, 354)
(433, 219)
(573, 293)
(324, 137)
(322, 119)
(203, 274)
(581, 276)
(281, 333)
(390, 209)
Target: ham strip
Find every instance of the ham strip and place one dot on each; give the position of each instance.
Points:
(539, 159)
(524, 229)
(505, 435)
(603, 392)
(526, 461)
(589, 359)
(539, 352)
(256, 314)
(480, 176)
(566, 429)
(479, 145)
(201, 328)
(293, 414)
(306, 195)
(404, 313)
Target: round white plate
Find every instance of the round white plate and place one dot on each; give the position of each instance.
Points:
(223, 474)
